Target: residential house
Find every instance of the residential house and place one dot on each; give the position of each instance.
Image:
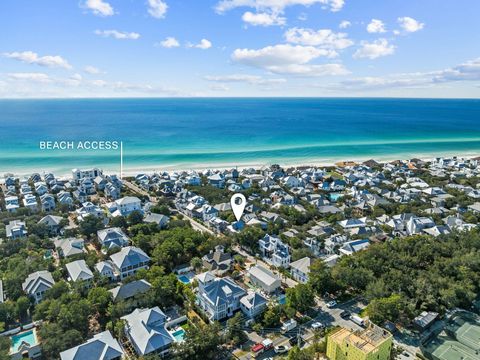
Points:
(69, 246)
(47, 202)
(264, 278)
(52, 222)
(79, 271)
(274, 251)
(129, 260)
(89, 209)
(220, 298)
(112, 192)
(78, 175)
(128, 291)
(16, 229)
(253, 304)
(11, 203)
(217, 180)
(218, 261)
(111, 238)
(64, 197)
(147, 331)
(37, 283)
(30, 202)
(106, 269)
(102, 346)
(159, 219)
(300, 269)
(125, 206)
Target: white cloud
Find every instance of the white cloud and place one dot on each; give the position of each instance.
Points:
(250, 79)
(32, 77)
(204, 44)
(409, 24)
(99, 7)
(373, 50)
(324, 38)
(121, 35)
(31, 57)
(276, 5)
(468, 71)
(91, 70)
(219, 87)
(376, 26)
(289, 59)
(169, 42)
(263, 19)
(157, 8)
(345, 24)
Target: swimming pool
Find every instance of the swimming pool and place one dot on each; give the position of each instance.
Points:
(28, 337)
(179, 335)
(184, 279)
(335, 196)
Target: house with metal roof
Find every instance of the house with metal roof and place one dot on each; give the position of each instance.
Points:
(102, 346)
(129, 260)
(37, 283)
(220, 298)
(147, 332)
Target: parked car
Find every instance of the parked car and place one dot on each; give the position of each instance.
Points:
(317, 325)
(345, 314)
(357, 320)
(331, 304)
(281, 349)
(267, 344)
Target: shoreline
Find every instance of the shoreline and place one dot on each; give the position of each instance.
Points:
(313, 162)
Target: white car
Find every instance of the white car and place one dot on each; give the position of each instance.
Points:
(280, 349)
(317, 325)
(331, 304)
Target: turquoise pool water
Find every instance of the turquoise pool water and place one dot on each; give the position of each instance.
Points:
(27, 336)
(335, 196)
(179, 335)
(184, 279)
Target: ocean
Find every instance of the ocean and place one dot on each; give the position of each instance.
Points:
(195, 133)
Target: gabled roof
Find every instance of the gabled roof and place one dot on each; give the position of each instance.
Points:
(130, 255)
(38, 281)
(51, 220)
(78, 270)
(101, 347)
(302, 265)
(129, 290)
(147, 329)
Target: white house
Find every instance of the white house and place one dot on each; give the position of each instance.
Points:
(129, 260)
(264, 278)
(16, 229)
(220, 298)
(274, 251)
(37, 283)
(147, 331)
(11, 203)
(79, 271)
(112, 237)
(300, 269)
(253, 304)
(125, 206)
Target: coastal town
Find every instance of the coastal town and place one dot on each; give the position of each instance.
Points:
(356, 261)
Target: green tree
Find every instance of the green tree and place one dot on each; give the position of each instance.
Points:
(235, 331)
(90, 225)
(135, 217)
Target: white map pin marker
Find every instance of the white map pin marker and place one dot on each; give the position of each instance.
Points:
(238, 203)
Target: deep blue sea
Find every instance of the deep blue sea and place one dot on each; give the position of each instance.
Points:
(217, 132)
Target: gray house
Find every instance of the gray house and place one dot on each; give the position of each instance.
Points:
(102, 346)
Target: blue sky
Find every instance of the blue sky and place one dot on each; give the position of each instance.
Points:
(121, 48)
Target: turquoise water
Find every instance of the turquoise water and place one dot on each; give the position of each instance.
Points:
(184, 279)
(335, 196)
(196, 133)
(179, 335)
(27, 336)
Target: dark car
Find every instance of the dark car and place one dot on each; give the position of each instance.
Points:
(345, 314)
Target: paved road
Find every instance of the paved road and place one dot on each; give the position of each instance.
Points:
(139, 190)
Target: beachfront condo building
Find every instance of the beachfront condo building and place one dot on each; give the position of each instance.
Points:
(373, 343)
